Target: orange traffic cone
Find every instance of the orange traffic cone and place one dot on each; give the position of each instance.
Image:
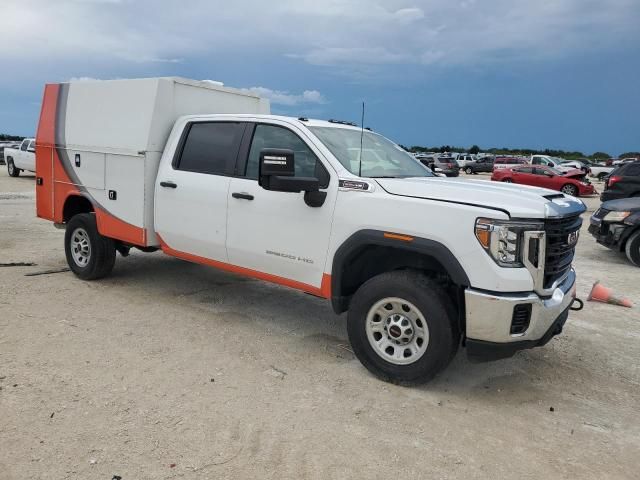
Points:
(605, 295)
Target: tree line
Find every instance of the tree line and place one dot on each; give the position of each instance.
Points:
(475, 149)
(10, 138)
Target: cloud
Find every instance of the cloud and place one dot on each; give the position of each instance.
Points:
(326, 33)
(278, 97)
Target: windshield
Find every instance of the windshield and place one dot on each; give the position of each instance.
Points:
(380, 157)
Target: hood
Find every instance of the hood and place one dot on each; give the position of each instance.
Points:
(574, 173)
(622, 205)
(519, 201)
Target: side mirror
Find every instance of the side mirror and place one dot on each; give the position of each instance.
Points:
(277, 173)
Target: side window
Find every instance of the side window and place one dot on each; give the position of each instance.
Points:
(632, 170)
(24, 145)
(525, 170)
(271, 136)
(211, 148)
(32, 145)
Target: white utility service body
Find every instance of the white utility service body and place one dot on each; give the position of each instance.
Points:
(416, 259)
(21, 159)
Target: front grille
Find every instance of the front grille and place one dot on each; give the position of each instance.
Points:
(559, 254)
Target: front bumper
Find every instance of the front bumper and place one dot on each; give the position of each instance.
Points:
(610, 235)
(489, 319)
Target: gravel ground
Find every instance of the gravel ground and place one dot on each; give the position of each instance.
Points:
(172, 370)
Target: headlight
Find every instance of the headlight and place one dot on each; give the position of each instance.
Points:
(615, 216)
(503, 239)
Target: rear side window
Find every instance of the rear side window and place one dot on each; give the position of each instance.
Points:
(211, 148)
(629, 170)
(24, 146)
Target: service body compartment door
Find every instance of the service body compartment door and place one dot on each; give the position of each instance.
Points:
(192, 190)
(277, 233)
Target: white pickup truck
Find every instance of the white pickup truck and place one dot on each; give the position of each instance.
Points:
(422, 264)
(22, 158)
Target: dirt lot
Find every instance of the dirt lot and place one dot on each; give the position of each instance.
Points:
(172, 370)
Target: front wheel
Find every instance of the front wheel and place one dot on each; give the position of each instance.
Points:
(11, 168)
(601, 176)
(468, 170)
(402, 327)
(632, 248)
(89, 255)
(507, 180)
(570, 190)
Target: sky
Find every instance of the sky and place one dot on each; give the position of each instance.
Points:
(562, 74)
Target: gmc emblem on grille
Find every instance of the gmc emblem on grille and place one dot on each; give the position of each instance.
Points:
(572, 238)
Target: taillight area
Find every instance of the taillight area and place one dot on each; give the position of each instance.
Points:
(613, 180)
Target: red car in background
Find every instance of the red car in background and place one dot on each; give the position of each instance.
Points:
(573, 182)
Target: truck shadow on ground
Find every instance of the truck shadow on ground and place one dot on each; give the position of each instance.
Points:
(312, 326)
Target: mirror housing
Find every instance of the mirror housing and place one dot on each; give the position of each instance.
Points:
(277, 172)
(276, 161)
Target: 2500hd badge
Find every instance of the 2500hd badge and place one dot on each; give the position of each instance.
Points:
(288, 255)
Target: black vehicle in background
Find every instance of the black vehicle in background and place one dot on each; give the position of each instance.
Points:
(623, 182)
(616, 225)
(481, 165)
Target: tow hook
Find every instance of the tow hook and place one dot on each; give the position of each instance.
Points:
(579, 307)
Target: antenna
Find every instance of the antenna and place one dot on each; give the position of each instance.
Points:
(361, 137)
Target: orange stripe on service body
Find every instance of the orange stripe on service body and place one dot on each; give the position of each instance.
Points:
(113, 227)
(324, 291)
(47, 124)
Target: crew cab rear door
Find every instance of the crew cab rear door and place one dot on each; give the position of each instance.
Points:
(277, 233)
(191, 192)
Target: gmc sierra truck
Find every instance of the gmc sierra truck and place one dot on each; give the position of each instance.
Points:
(422, 264)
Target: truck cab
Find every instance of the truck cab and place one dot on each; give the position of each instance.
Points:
(327, 208)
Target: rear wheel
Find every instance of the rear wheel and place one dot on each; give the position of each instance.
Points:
(402, 327)
(632, 248)
(89, 255)
(570, 190)
(507, 180)
(11, 168)
(601, 176)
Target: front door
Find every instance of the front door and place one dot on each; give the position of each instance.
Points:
(276, 233)
(192, 190)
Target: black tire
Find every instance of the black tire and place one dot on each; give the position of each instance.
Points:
(435, 307)
(101, 255)
(11, 168)
(570, 190)
(468, 170)
(632, 248)
(507, 180)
